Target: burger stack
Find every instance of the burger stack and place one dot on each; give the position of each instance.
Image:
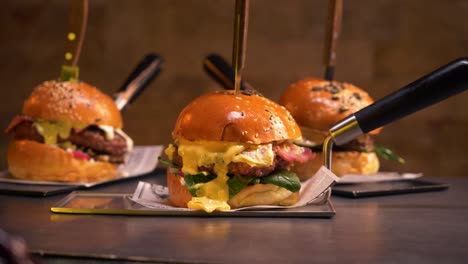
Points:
(67, 132)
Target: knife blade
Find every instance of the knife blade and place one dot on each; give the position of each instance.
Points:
(140, 78)
(222, 72)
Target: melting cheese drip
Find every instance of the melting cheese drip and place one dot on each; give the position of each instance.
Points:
(50, 130)
(214, 195)
(128, 140)
(108, 131)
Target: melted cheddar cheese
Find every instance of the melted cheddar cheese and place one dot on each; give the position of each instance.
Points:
(128, 140)
(208, 205)
(50, 130)
(214, 195)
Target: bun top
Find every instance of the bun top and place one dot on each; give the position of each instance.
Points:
(223, 116)
(319, 104)
(76, 102)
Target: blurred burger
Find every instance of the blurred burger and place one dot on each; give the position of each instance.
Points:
(233, 151)
(317, 105)
(67, 132)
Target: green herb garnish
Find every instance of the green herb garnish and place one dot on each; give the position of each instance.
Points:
(236, 184)
(285, 179)
(168, 163)
(343, 109)
(69, 73)
(388, 154)
(192, 180)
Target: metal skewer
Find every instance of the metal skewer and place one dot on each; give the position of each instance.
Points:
(239, 44)
(222, 72)
(335, 10)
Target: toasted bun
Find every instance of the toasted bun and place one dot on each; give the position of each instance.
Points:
(263, 194)
(319, 104)
(31, 160)
(223, 116)
(258, 194)
(178, 194)
(346, 162)
(76, 102)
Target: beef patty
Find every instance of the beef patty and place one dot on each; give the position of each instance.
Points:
(91, 138)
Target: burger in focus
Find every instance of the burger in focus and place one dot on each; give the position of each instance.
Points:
(67, 132)
(232, 151)
(317, 105)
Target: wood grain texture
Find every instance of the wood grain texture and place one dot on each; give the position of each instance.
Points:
(419, 228)
(383, 46)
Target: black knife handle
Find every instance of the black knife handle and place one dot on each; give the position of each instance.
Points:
(145, 72)
(221, 71)
(436, 86)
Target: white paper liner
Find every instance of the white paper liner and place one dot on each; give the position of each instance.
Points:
(313, 191)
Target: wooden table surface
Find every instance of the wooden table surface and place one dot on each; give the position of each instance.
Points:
(427, 227)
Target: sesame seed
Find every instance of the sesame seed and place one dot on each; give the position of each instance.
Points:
(316, 88)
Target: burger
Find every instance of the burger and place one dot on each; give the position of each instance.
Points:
(317, 105)
(67, 132)
(232, 151)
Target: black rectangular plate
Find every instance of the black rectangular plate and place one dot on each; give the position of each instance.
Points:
(369, 189)
(35, 190)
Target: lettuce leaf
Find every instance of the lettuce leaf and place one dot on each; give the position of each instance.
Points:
(168, 163)
(237, 183)
(285, 179)
(192, 180)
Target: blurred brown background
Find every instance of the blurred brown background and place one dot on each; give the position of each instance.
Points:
(383, 46)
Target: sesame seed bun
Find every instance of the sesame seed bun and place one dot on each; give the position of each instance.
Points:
(319, 104)
(343, 162)
(223, 116)
(79, 105)
(76, 102)
(178, 194)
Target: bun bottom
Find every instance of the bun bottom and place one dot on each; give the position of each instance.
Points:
(347, 162)
(263, 194)
(178, 194)
(30, 160)
(258, 194)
